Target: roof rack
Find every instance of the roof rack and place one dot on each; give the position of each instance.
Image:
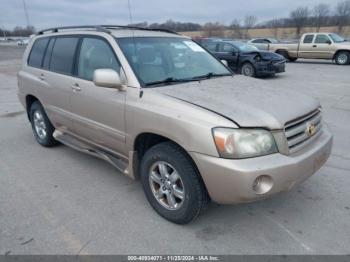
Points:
(102, 28)
(56, 29)
(138, 28)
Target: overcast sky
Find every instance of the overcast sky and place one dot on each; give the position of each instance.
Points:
(48, 13)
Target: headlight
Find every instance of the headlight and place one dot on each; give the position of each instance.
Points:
(243, 143)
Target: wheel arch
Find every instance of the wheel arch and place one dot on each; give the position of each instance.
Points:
(146, 140)
(340, 50)
(30, 99)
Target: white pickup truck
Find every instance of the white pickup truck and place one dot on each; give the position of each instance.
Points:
(315, 46)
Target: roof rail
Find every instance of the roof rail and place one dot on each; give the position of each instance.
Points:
(103, 28)
(56, 29)
(138, 28)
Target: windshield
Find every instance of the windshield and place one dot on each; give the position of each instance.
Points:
(169, 60)
(243, 47)
(336, 38)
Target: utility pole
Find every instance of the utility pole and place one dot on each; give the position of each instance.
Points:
(26, 12)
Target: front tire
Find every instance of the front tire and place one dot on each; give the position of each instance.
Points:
(342, 58)
(248, 69)
(41, 126)
(172, 184)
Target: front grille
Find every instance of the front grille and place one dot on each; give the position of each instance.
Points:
(296, 131)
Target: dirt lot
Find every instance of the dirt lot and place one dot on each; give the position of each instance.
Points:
(59, 201)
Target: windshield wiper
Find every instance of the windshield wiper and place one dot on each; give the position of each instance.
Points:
(209, 75)
(168, 80)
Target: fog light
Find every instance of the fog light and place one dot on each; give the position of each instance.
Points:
(262, 184)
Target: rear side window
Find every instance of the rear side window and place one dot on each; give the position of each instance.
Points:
(37, 52)
(308, 39)
(95, 54)
(46, 62)
(210, 46)
(63, 52)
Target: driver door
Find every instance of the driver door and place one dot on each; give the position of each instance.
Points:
(98, 111)
(229, 53)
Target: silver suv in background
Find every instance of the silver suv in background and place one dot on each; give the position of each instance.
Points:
(159, 107)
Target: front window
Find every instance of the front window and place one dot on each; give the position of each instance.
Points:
(322, 39)
(158, 59)
(337, 38)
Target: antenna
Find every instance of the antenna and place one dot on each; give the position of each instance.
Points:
(26, 12)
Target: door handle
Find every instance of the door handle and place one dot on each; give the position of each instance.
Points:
(314, 46)
(42, 77)
(76, 87)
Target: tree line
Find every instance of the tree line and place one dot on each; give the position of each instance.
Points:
(318, 16)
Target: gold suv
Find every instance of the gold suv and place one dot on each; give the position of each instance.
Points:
(159, 107)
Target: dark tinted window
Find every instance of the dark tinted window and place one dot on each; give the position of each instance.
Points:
(62, 58)
(95, 54)
(48, 53)
(37, 52)
(226, 48)
(259, 41)
(322, 39)
(308, 39)
(210, 46)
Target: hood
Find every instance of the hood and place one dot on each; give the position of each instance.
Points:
(246, 101)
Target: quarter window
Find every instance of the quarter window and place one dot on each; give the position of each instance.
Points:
(95, 54)
(62, 58)
(308, 39)
(227, 48)
(322, 39)
(37, 53)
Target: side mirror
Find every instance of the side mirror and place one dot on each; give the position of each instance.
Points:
(224, 62)
(329, 42)
(107, 78)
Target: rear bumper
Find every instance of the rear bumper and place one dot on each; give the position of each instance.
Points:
(231, 181)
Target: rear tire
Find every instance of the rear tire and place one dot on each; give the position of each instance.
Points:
(292, 59)
(342, 58)
(41, 125)
(248, 69)
(172, 184)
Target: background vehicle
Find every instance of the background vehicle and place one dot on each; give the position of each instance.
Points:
(315, 46)
(23, 42)
(263, 43)
(245, 58)
(159, 107)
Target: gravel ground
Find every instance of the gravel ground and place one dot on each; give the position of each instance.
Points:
(59, 201)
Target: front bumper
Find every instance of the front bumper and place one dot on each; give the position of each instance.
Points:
(231, 181)
(271, 67)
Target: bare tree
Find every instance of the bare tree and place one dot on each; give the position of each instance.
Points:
(300, 18)
(249, 22)
(321, 13)
(214, 29)
(236, 29)
(342, 14)
(274, 24)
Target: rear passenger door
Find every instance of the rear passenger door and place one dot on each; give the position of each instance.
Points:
(98, 111)
(306, 49)
(56, 80)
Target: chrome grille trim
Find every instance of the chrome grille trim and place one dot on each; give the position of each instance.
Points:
(295, 130)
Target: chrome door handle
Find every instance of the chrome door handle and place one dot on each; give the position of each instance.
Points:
(76, 87)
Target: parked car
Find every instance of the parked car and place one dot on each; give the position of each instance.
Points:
(161, 108)
(245, 58)
(263, 43)
(23, 42)
(316, 46)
